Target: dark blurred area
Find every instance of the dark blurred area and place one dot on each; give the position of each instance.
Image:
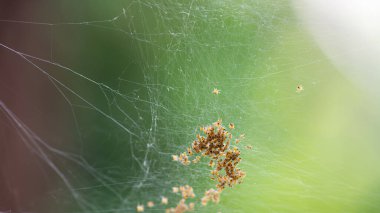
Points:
(25, 181)
(34, 35)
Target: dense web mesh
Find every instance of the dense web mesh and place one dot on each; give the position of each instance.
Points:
(134, 82)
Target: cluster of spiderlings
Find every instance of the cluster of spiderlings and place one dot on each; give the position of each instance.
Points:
(184, 159)
(212, 195)
(181, 207)
(216, 144)
(186, 192)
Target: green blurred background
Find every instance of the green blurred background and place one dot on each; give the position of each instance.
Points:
(138, 85)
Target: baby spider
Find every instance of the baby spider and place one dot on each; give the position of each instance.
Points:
(204, 201)
(140, 208)
(197, 159)
(175, 157)
(299, 88)
(232, 126)
(150, 204)
(218, 123)
(164, 200)
(216, 91)
(175, 189)
(248, 147)
(189, 151)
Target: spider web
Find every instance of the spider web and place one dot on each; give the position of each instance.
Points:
(100, 95)
(145, 109)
